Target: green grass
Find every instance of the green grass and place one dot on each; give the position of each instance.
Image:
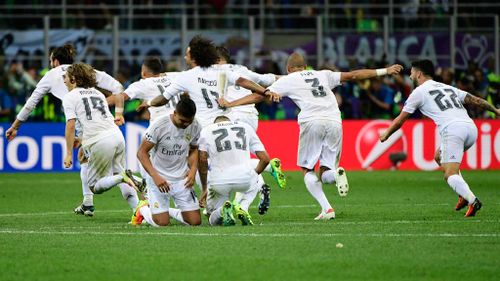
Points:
(393, 226)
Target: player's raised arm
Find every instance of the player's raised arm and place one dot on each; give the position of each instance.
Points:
(369, 73)
(480, 103)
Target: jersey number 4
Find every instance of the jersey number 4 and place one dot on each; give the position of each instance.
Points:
(442, 102)
(223, 145)
(97, 103)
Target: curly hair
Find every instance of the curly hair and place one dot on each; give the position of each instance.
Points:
(203, 51)
(64, 54)
(83, 74)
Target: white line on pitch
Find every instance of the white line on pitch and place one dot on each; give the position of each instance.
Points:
(252, 207)
(37, 232)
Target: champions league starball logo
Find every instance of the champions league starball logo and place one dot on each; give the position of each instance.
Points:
(373, 154)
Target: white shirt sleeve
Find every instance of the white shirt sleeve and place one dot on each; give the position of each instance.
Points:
(151, 134)
(203, 142)
(108, 83)
(333, 78)
(69, 107)
(461, 95)
(177, 86)
(280, 86)
(196, 137)
(262, 79)
(232, 76)
(254, 142)
(134, 91)
(413, 102)
(42, 88)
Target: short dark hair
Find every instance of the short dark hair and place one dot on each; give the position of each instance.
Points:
(64, 54)
(154, 64)
(186, 106)
(203, 51)
(426, 66)
(223, 53)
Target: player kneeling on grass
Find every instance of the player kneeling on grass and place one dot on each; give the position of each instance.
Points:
(444, 104)
(228, 144)
(102, 140)
(173, 140)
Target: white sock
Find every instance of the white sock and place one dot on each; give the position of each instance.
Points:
(216, 217)
(177, 215)
(129, 194)
(255, 162)
(106, 183)
(316, 189)
(458, 184)
(88, 196)
(148, 217)
(328, 176)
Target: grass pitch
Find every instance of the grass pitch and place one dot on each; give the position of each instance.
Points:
(393, 226)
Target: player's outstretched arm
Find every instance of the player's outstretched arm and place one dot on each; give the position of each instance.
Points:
(70, 141)
(248, 99)
(395, 125)
(480, 103)
(256, 88)
(143, 156)
(370, 73)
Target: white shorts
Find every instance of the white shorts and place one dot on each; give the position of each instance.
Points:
(105, 157)
(319, 140)
(456, 138)
(246, 117)
(218, 194)
(184, 198)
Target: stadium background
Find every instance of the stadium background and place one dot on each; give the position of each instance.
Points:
(460, 37)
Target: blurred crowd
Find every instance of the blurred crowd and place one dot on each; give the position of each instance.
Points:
(378, 98)
(363, 15)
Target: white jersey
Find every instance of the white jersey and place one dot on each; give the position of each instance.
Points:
(229, 145)
(311, 91)
(202, 85)
(149, 88)
(53, 82)
(236, 92)
(171, 150)
(90, 108)
(440, 102)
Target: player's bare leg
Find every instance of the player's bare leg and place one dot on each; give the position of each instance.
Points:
(192, 217)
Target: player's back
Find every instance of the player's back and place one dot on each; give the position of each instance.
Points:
(202, 85)
(229, 145)
(149, 88)
(89, 106)
(442, 103)
(311, 92)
